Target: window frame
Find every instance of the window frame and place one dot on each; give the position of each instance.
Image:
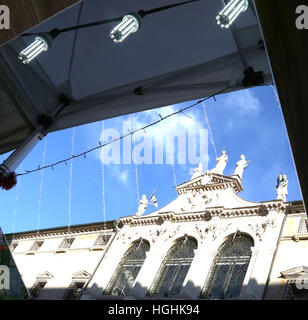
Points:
(232, 263)
(177, 263)
(70, 294)
(127, 265)
(34, 291)
(70, 241)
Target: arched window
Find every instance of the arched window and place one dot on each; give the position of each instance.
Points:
(229, 268)
(128, 269)
(174, 268)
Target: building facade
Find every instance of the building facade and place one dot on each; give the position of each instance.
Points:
(208, 243)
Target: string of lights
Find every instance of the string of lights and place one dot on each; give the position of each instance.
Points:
(130, 23)
(83, 154)
(230, 12)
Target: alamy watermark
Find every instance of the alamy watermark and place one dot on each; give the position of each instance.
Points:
(161, 146)
(301, 282)
(302, 20)
(4, 17)
(4, 277)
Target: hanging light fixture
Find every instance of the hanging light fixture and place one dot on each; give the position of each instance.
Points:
(129, 24)
(40, 44)
(230, 12)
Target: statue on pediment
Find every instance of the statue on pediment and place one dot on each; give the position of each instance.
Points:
(197, 172)
(207, 178)
(221, 163)
(282, 187)
(144, 203)
(240, 166)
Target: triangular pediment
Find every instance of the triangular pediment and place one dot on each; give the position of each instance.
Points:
(81, 275)
(44, 275)
(207, 191)
(294, 272)
(213, 194)
(210, 181)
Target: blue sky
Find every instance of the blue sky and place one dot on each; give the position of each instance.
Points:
(246, 122)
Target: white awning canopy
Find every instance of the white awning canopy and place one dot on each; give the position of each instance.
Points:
(176, 55)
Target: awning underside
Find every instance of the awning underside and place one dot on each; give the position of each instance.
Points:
(177, 55)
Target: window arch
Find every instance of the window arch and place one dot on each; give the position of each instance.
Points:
(228, 269)
(174, 268)
(127, 271)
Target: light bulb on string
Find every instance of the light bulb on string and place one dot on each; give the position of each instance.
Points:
(230, 12)
(129, 24)
(39, 45)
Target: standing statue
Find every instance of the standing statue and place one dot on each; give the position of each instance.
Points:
(240, 166)
(282, 187)
(221, 163)
(144, 203)
(197, 172)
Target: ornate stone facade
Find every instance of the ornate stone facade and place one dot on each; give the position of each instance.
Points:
(207, 211)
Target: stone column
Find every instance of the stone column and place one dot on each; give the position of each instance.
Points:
(147, 273)
(197, 274)
(248, 288)
(258, 277)
(105, 270)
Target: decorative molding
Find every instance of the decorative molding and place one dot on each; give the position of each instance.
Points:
(44, 275)
(51, 234)
(81, 275)
(212, 231)
(294, 273)
(210, 181)
(206, 215)
(154, 235)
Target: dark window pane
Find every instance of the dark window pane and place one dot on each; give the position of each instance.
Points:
(228, 270)
(37, 287)
(128, 269)
(173, 271)
(74, 290)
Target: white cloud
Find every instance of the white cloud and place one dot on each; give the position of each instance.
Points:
(120, 174)
(180, 121)
(123, 176)
(242, 102)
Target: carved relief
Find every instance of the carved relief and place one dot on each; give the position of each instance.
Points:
(154, 235)
(211, 231)
(260, 228)
(199, 200)
(125, 236)
(172, 233)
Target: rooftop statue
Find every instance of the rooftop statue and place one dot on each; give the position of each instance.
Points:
(282, 187)
(197, 171)
(221, 163)
(144, 203)
(240, 166)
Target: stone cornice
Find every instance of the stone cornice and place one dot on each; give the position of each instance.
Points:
(34, 235)
(108, 227)
(220, 212)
